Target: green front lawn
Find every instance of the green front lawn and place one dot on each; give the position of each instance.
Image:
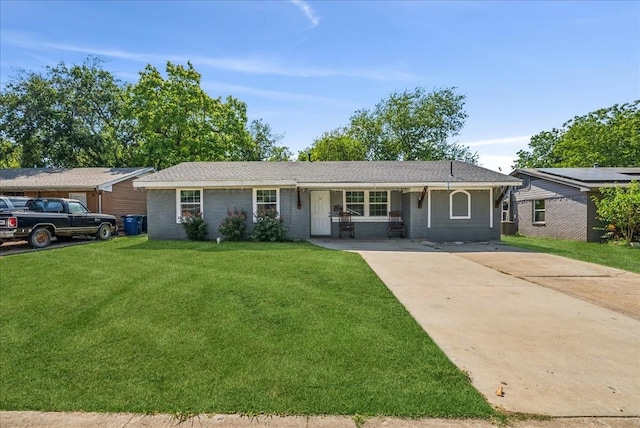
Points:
(616, 256)
(141, 326)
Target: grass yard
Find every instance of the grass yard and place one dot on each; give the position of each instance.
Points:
(616, 256)
(141, 326)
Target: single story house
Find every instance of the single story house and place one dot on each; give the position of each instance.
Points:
(101, 190)
(557, 202)
(439, 200)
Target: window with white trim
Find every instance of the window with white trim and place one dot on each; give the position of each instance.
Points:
(188, 203)
(354, 202)
(539, 210)
(266, 199)
(378, 203)
(459, 205)
(367, 203)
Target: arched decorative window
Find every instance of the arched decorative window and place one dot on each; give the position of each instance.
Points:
(459, 205)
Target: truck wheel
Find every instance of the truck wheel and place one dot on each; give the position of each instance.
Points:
(104, 232)
(40, 238)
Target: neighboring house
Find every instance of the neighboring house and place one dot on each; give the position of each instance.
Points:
(557, 202)
(101, 190)
(439, 200)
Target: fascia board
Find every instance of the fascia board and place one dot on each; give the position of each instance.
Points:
(108, 186)
(420, 186)
(48, 188)
(212, 184)
(293, 183)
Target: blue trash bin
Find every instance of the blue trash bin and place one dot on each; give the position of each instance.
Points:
(132, 224)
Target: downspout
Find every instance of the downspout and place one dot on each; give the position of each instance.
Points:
(99, 202)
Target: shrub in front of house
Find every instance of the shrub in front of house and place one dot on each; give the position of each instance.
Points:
(234, 225)
(196, 228)
(269, 227)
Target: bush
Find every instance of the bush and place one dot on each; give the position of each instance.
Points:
(619, 207)
(196, 228)
(269, 227)
(234, 225)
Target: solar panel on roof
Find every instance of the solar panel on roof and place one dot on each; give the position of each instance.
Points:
(588, 174)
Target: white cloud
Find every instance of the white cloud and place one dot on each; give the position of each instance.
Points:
(308, 11)
(497, 163)
(255, 65)
(265, 93)
(508, 140)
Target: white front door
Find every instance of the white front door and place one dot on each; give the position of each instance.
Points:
(320, 212)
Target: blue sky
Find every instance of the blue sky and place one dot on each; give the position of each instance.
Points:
(306, 66)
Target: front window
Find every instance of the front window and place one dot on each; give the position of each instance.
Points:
(189, 203)
(354, 201)
(266, 199)
(365, 203)
(378, 204)
(538, 211)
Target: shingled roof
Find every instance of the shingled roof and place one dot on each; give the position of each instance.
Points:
(325, 174)
(20, 179)
(585, 179)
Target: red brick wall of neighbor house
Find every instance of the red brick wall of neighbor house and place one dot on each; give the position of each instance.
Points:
(123, 200)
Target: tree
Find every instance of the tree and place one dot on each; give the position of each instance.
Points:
(620, 207)
(177, 121)
(67, 117)
(542, 154)
(336, 145)
(9, 155)
(609, 137)
(265, 146)
(413, 126)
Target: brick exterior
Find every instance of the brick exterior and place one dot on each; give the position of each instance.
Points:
(569, 212)
(565, 218)
(162, 224)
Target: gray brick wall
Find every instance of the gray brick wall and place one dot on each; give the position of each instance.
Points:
(477, 228)
(161, 211)
(161, 206)
(565, 218)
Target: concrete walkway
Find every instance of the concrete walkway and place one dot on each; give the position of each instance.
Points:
(550, 352)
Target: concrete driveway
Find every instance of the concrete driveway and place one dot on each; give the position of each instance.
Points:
(513, 320)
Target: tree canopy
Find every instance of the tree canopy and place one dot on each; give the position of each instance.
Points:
(336, 145)
(609, 137)
(411, 125)
(265, 146)
(69, 116)
(81, 116)
(176, 121)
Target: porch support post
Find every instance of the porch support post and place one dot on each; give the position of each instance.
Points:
(491, 207)
(429, 208)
